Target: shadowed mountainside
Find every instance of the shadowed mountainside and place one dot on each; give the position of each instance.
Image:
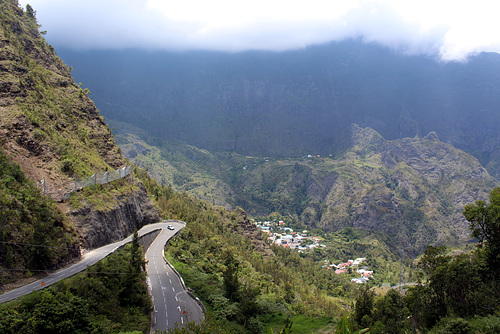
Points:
(294, 103)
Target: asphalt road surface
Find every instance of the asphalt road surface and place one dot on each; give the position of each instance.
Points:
(172, 304)
(87, 260)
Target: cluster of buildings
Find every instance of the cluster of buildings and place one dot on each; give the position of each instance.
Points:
(284, 236)
(365, 276)
(343, 267)
(350, 266)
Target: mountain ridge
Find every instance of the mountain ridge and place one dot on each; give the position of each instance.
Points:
(416, 187)
(294, 103)
(50, 133)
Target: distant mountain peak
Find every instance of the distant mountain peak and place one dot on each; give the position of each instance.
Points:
(432, 136)
(365, 137)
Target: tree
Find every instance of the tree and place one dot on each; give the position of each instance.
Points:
(132, 285)
(485, 226)
(434, 263)
(433, 258)
(345, 327)
(249, 308)
(30, 11)
(287, 329)
(364, 307)
(41, 257)
(136, 254)
(56, 312)
(389, 310)
(420, 303)
(231, 284)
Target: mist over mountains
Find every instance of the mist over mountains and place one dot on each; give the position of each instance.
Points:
(297, 102)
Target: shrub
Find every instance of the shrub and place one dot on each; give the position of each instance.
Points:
(486, 325)
(452, 326)
(67, 166)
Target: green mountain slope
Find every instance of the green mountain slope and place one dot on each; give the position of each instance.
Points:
(33, 233)
(50, 130)
(184, 167)
(49, 124)
(413, 190)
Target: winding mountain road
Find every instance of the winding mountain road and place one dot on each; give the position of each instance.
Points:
(172, 303)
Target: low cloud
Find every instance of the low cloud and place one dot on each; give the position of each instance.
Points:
(450, 30)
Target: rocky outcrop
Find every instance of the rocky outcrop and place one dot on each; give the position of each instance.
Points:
(412, 189)
(98, 228)
(250, 231)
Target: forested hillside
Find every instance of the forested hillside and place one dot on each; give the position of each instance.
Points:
(457, 293)
(411, 189)
(250, 289)
(34, 235)
(250, 286)
(109, 297)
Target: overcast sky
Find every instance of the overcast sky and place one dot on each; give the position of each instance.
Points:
(450, 29)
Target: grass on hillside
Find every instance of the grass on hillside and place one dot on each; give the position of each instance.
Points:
(102, 197)
(56, 116)
(301, 324)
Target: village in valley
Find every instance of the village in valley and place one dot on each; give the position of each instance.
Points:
(280, 235)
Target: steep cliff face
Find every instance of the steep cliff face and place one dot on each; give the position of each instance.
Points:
(98, 227)
(53, 130)
(48, 123)
(413, 189)
(250, 231)
(297, 102)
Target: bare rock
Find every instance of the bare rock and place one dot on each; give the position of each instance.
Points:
(98, 228)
